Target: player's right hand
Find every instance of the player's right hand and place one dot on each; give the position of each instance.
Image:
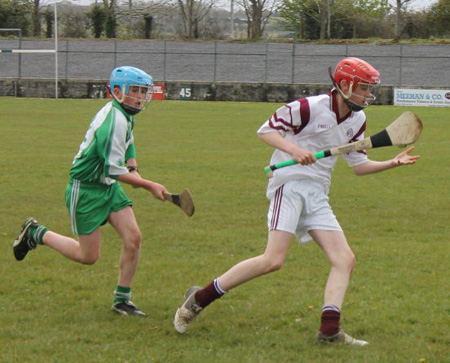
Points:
(303, 156)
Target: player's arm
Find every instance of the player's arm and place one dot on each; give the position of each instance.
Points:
(135, 180)
(132, 162)
(276, 140)
(132, 166)
(286, 119)
(371, 166)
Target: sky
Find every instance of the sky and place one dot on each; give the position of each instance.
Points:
(422, 4)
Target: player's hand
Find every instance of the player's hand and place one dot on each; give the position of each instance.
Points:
(404, 158)
(303, 156)
(158, 191)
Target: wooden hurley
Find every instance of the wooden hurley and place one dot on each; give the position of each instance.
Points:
(183, 200)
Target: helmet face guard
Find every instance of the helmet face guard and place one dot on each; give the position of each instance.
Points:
(362, 79)
(136, 88)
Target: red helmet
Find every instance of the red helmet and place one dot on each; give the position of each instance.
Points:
(356, 72)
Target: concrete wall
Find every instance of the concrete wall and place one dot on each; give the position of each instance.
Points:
(201, 91)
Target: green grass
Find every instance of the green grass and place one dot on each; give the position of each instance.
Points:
(54, 310)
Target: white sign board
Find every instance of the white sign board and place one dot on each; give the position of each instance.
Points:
(422, 97)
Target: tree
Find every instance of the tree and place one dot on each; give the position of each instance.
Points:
(307, 17)
(192, 12)
(49, 17)
(363, 12)
(258, 13)
(14, 14)
(135, 16)
(319, 19)
(438, 19)
(36, 18)
(148, 19)
(74, 23)
(399, 8)
(97, 15)
(111, 25)
(109, 7)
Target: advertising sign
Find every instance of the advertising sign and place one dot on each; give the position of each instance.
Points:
(422, 97)
(158, 91)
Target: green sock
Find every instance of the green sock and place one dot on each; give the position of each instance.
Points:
(37, 233)
(122, 294)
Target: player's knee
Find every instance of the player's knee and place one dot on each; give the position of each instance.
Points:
(345, 261)
(133, 240)
(350, 261)
(273, 265)
(276, 266)
(90, 259)
(353, 262)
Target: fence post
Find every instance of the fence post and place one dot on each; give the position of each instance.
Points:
(67, 59)
(164, 65)
(215, 61)
(115, 53)
(293, 60)
(400, 67)
(20, 54)
(267, 61)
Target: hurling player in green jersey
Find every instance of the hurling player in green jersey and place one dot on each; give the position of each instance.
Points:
(94, 196)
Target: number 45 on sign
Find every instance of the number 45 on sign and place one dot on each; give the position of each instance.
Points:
(185, 93)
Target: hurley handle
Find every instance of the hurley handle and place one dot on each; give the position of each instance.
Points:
(271, 168)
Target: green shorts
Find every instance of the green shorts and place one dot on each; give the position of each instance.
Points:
(90, 204)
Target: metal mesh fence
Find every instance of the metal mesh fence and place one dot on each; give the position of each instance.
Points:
(259, 62)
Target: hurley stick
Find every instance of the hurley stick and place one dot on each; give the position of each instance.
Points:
(183, 200)
(405, 130)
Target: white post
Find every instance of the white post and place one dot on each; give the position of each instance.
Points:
(232, 19)
(56, 53)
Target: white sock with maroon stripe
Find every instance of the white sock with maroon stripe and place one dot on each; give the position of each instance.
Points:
(331, 308)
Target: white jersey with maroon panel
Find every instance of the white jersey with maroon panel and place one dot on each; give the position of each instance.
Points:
(313, 124)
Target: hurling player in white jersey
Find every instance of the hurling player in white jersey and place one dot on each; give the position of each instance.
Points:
(93, 195)
(299, 194)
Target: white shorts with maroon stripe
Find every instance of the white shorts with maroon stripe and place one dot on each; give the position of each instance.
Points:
(300, 206)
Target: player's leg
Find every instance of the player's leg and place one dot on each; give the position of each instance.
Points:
(272, 260)
(124, 222)
(86, 250)
(198, 298)
(342, 262)
(282, 219)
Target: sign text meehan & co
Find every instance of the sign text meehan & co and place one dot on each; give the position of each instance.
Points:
(422, 97)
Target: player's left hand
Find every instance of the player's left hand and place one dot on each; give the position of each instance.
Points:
(404, 158)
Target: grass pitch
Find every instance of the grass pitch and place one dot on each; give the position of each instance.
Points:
(397, 223)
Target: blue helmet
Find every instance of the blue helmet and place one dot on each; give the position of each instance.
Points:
(127, 76)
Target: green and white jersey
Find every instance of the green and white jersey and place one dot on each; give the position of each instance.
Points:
(106, 147)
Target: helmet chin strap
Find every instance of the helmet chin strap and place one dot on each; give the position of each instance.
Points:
(130, 109)
(353, 106)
